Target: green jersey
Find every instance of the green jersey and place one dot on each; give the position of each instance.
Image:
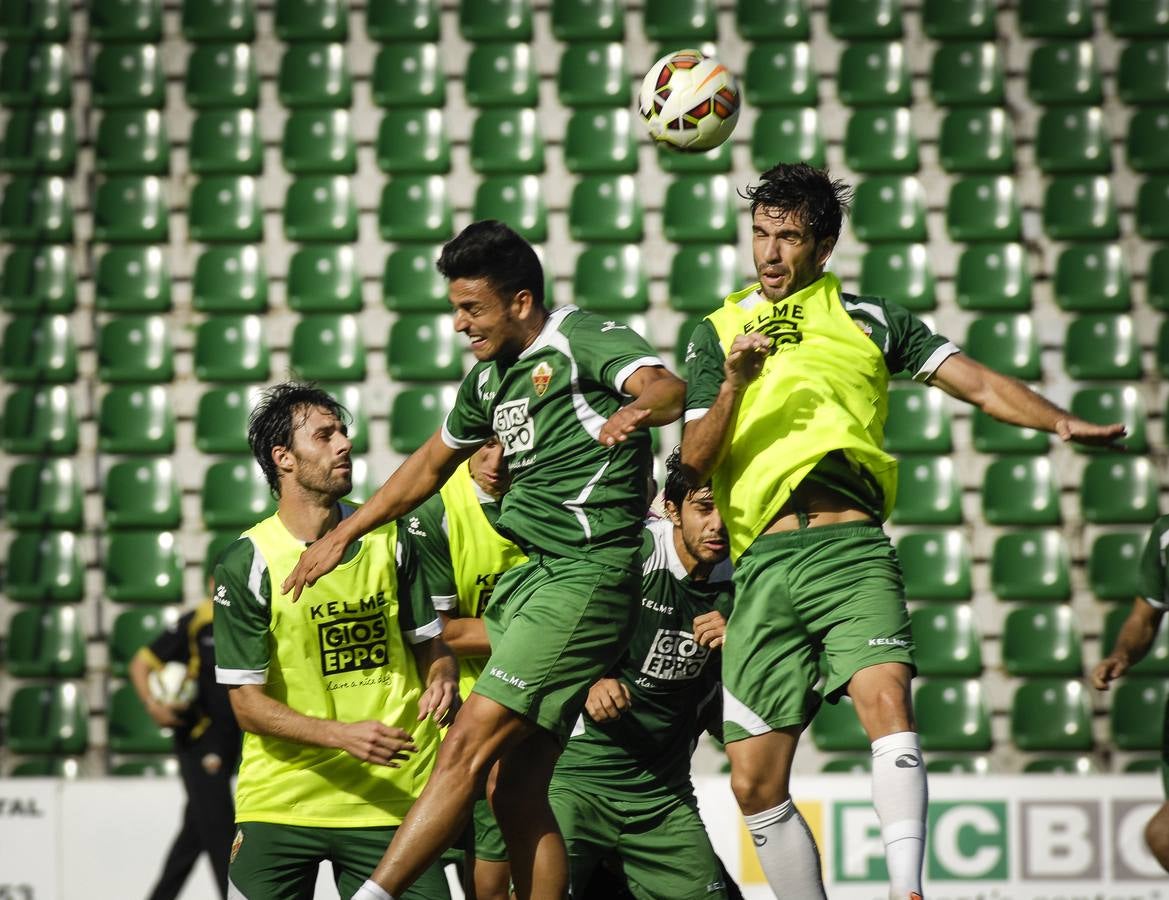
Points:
(674, 684)
(1154, 585)
(569, 496)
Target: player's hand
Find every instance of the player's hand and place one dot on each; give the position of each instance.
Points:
(318, 560)
(165, 715)
(374, 742)
(710, 629)
(440, 701)
(622, 424)
(745, 359)
(607, 700)
(1108, 670)
(1079, 431)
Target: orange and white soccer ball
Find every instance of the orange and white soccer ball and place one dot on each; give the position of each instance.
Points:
(689, 102)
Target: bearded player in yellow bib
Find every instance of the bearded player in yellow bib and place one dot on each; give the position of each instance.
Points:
(785, 413)
(340, 695)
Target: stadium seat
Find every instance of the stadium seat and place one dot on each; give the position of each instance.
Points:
(1157, 282)
(928, 492)
(226, 142)
(142, 567)
(946, 641)
(1162, 347)
(1030, 565)
(39, 75)
(850, 20)
(936, 564)
(1081, 208)
(989, 435)
(136, 419)
(38, 349)
(1092, 278)
(1120, 403)
(36, 210)
(588, 20)
(424, 347)
(593, 74)
(131, 730)
(133, 279)
(518, 201)
(417, 413)
(41, 20)
(231, 348)
(407, 20)
(984, 208)
(320, 208)
(324, 279)
(313, 74)
(39, 420)
(781, 73)
(1007, 343)
(44, 567)
(507, 141)
(1102, 346)
(411, 283)
(874, 73)
(44, 494)
(1064, 72)
(48, 718)
(949, 20)
(138, 766)
(1138, 708)
(128, 75)
(225, 208)
(142, 494)
(836, 728)
(701, 276)
(319, 142)
(1153, 208)
(967, 74)
(312, 20)
(608, 208)
(846, 765)
(221, 419)
(235, 494)
(502, 20)
(39, 141)
(961, 764)
(136, 21)
(600, 141)
(222, 76)
(38, 280)
(1156, 661)
(699, 208)
(1147, 141)
(1042, 639)
(408, 74)
(1073, 140)
(611, 278)
(413, 141)
(132, 141)
(1051, 714)
(881, 141)
(788, 134)
(135, 349)
(227, 20)
(918, 422)
(1020, 490)
(230, 280)
(1138, 20)
(977, 141)
(1142, 73)
(1114, 574)
(952, 714)
(501, 74)
(1062, 764)
(1055, 18)
(889, 208)
(415, 208)
(1119, 489)
(900, 273)
(351, 397)
(131, 209)
(684, 21)
(327, 347)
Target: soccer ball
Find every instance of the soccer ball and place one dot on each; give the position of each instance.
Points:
(171, 685)
(689, 102)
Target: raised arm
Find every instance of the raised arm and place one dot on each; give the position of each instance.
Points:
(657, 394)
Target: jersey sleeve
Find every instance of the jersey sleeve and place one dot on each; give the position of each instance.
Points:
(172, 645)
(704, 370)
(1152, 580)
(416, 616)
(609, 352)
(427, 526)
(913, 346)
(243, 613)
(468, 424)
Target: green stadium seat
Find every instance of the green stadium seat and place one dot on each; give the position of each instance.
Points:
(222, 76)
(1142, 73)
(685, 21)
(131, 209)
(781, 73)
(137, 21)
(507, 141)
(131, 730)
(967, 74)
(39, 420)
(1030, 565)
(1064, 72)
(314, 74)
(989, 435)
(133, 279)
(874, 73)
(350, 397)
(949, 20)
(1157, 282)
(324, 279)
(918, 422)
(36, 210)
(611, 278)
(1137, 713)
(413, 141)
(136, 419)
(408, 74)
(44, 567)
(847, 765)
(132, 141)
(38, 349)
(39, 280)
(424, 347)
(319, 142)
(1156, 661)
(128, 75)
(1092, 278)
(517, 200)
(789, 135)
(405, 20)
(143, 567)
(928, 492)
(899, 272)
(963, 764)
(41, 20)
(328, 347)
(312, 20)
(417, 413)
(411, 283)
(1102, 346)
(588, 20)
(499, 20)
(221, 419)
(232, 349)
(977, 141)
(48, 718)
(1119, 489)
(936, 564)
(40, 141)
(1138, 20)
(135, 349)
(1081, 208)
(38, 75)
(1042, 639)
(698, 208)
(230, 280)
(1020, 490)
(415, 208)
(226, 142)
(1055, 18)
(592, 74)
(1147, 141)
(711, 162)
(226, 20)
(889, 208)
(235, 494)
(1051, 714)
(600, 141)
(881, 141)
(984, 208)
(501, 74)
(759, 20)
(154, 766)
(1144, 765)
(836, 728)
(320, 208)
(1063, 764)
(851, 20)
(1162, 347)
(142, 494)
(225, 208)
(1073, 140)
(701, 275)
(946, 641)
(44, 494)
(47, 767)
(952, 715)
(1153, 208)
(608, 208)
(1007, 343)
(1114, 574)
(1119, 403)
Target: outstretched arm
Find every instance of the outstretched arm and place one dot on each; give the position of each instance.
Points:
(1133, 642)
(658, 396)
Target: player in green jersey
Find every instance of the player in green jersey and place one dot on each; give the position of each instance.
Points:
(622, 788)
(785, 414)
(340, 695)
(1132, 643)
(569, 395)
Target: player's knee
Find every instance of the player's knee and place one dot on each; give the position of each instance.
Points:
(754, 789)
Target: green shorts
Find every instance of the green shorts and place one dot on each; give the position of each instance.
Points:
(489, 844)
(556, 625)
(279, 862)
(659, 844)
(830, 597)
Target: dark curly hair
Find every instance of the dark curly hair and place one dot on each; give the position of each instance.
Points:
(678, 482)
(804, 191)
(280, 411)
(489, 249)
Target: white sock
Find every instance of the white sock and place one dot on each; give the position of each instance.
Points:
(899, 797)
(787, 852)
(371, 890)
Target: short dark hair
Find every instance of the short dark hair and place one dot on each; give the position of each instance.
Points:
(679, 484)
(805, 191)
(274, 419)
(489, 249)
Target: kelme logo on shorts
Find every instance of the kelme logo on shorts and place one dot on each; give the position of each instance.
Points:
(513, 426)
(674, 656)
(348, 645)
(888, 642)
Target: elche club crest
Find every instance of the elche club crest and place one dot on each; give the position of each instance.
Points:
(541, 378)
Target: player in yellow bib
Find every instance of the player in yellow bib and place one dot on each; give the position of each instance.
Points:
(340, 695)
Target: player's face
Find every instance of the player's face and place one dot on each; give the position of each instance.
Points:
(493, 323)
(787, 256)
(320, 454)
(703, 533)
(489, 469)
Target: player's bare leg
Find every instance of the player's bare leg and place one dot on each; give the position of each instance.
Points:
(492, 879)
(1157, 836)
